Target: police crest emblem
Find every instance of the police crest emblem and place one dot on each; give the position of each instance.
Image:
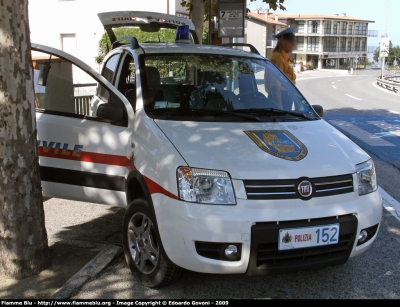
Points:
(287, 238)
(279, 143)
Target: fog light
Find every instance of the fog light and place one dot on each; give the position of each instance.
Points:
(362, 236)
(231, 251)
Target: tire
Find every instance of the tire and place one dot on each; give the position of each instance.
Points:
(143, 249)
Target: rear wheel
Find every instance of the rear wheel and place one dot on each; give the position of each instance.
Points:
(143, 248)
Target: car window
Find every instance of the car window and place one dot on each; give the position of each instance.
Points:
(110, 68)
(69, 89)
(126, 82)
(109, 72)
(211, 82)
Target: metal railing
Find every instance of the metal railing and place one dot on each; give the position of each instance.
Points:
(82, 97)
(82, 104)
(391, 83)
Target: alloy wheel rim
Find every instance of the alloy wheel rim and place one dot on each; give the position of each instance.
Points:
(142, 242)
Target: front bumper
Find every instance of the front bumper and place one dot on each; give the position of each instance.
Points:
(181, 224)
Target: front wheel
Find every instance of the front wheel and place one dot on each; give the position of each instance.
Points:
(143, 248)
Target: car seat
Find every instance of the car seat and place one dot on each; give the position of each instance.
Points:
(155, 93)
(212, 94)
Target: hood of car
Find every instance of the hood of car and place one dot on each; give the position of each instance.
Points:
(287, 150)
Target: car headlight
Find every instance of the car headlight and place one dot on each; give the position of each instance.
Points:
(205, 186)
(366, 177)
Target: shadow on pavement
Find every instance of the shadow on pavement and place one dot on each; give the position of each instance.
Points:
(66, 261)
(71, 220)
(75, 230)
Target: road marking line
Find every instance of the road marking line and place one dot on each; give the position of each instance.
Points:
(390, 204)
(353, 97)
(361, 134)
(333, 86)
(387, 127)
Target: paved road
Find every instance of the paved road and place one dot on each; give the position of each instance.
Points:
(361, 112)
(368, 115)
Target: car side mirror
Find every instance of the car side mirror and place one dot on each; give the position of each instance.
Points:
(43, 74)
(319, 109)
(110, 112)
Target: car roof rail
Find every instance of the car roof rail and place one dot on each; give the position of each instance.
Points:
(133, 41)
(252, 48)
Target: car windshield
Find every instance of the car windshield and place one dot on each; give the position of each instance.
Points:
(220, 88)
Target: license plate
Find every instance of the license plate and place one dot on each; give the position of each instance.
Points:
(292, 238)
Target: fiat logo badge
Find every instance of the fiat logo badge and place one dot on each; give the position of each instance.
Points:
(305, 188)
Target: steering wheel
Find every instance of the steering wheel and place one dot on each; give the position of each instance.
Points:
(254, 96)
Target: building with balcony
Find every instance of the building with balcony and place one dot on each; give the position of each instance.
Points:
(329, 41)
(260, 31)
(325, 41)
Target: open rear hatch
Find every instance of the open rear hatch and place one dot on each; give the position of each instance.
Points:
(149, 22)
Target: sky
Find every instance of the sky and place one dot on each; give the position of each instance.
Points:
(366, 9)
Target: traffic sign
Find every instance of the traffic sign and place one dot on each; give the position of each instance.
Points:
(231, 15)
(384, 50)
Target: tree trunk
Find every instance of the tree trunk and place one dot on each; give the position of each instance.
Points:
(23, 239)
(197, 16)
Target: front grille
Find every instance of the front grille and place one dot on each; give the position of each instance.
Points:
(287, 188)
(265, 256)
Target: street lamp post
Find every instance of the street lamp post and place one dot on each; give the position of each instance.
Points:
(384, 36)
(383, 60)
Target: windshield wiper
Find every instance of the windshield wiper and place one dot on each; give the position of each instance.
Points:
(194, 112)
(237, 114)
(272, 111)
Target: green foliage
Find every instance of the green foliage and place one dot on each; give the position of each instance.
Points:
(205, 36)
(188, 5)
(394, 52)
(180, 64)
(164, 35)
(368, 62)
(177, 68)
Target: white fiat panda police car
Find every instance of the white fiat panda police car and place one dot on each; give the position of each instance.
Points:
(222, 164)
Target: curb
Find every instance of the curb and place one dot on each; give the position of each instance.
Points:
(390, 204)
(90, 270)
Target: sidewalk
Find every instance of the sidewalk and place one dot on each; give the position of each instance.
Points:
(320, 74)
(83, 239)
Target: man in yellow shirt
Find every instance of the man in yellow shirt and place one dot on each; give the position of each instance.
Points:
(286, 44)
